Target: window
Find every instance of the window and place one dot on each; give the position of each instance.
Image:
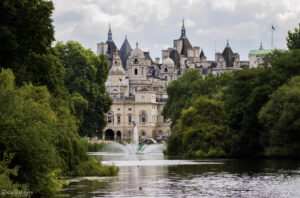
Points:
(116, 63)
(166, 77)
(166, 70)
(119, 119)
(143, 117)
(129, 118)
(118, 109)
(129, 109)
(143, 97)
(109, 118)
(129, 134)
(160, 133)
(135, 71)
(136, 61)
(143, 133)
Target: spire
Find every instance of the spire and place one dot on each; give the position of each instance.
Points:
(109, 38)
(261, 47)
(137, 45)
(227, 45)
(182, 30)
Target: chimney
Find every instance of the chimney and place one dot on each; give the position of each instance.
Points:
(157, 60)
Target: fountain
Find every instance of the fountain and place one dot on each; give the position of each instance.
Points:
(133, 147)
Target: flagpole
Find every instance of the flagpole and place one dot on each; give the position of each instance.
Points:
(271, 36)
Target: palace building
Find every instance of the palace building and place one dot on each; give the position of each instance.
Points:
(138, 85)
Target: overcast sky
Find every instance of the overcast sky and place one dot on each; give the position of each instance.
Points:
(154, 24)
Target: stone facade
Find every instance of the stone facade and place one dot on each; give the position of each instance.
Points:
(139, 93)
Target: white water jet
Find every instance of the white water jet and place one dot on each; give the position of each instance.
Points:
(133, 148)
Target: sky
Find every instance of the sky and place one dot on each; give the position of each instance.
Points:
(154, 24)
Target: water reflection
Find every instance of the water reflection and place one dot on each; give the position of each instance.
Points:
(154, 176)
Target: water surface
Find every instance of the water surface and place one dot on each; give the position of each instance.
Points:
(152, 175)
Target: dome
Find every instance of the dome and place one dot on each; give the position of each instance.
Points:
(137, 52)
(168, 61)
(117, 70)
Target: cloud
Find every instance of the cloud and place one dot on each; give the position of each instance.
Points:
(224, 5)
(249, 30)
(156, 23)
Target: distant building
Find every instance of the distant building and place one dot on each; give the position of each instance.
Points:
(186, 56)
(138, 85)
(256, 56)
(138, 89)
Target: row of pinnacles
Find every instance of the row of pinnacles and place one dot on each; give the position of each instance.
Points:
(183, 54)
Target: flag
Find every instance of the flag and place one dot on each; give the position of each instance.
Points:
(273, 28)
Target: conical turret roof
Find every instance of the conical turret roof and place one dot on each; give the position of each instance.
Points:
(125, 51)
(185, 42)
(202, 54)
(228, 55)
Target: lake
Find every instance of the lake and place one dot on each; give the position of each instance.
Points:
(153, 175)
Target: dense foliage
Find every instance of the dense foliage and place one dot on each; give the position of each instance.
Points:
(86, 74)
(191, 85)
(42, 134)
(200, 131)
(281, 118)
(293, 39)
(243, 95)
(46, 95)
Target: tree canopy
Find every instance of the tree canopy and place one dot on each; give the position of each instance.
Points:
(200, 130)
(293, 39)
(85, 79)
(281, 118)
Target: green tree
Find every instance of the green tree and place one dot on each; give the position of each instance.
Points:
(293, 39)
(26, 129)
(281, 118)
(26, 34)
(41, 132)
(85, 79)
(200, 131)
(248, 93)
(183, 91)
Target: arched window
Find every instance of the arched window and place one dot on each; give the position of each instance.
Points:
(143, 133)
(119, 118)
(129, 118)
(166, 70)
(135, 71)
(116, 63)
(143, 117)
(166, 77)
(136, 61)
(110, 118)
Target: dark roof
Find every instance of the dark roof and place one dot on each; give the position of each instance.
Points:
(185, 42)
(125, 52)
(174, 55)
(111, 50)
(148, 57)
(202, 54)
(185, 46)
(228, 55)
